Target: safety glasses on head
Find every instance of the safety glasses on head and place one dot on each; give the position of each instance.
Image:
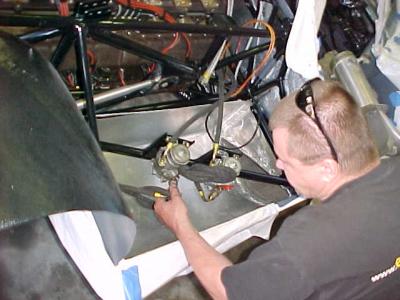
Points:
(305, 102)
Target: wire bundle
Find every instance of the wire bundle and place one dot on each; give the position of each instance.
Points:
(206, 82)
(265, 59)
(62, 7)
(166, 16)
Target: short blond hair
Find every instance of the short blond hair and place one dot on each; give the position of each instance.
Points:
(342, 121)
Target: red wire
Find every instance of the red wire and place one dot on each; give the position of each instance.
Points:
(60, 9)
(162, 14)
(92, 57)
(70, 80)
(121, 77)
(165, 51)
(63, 8)
(66, 12)
(172, 44)
(188, 45)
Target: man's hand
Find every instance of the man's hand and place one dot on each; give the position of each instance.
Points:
(174, 214)
(172, 211)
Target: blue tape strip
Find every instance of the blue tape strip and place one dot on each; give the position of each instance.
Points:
(395, 98)
(133, 290)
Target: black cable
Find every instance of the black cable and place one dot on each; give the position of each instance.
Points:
(230, 148)
(193, 119)
(221, 101)
(234, 58)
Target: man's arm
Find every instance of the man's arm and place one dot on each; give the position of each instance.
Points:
(207, 263)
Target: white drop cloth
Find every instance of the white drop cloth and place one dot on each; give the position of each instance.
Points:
(81, 238)
(303, 45)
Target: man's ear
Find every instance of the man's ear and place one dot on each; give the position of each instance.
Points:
(329, 169)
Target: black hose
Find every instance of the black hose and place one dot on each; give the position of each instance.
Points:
(221, 95)
(209, 109)
(234, 58)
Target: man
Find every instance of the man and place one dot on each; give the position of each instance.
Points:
(346, 247)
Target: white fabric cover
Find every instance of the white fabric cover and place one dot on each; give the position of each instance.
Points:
(303, 45)
(78, 232)
(386, 47)
(81, 238)
(160, 265)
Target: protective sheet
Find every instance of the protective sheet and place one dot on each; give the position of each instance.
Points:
(161, 265)
(383, 12)
(34, 265)
(80, 236)
(117, 233)
(239, 125)
(303, 46)
(268, 100)
(387, 41)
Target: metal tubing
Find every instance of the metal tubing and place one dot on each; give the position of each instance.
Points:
(145, 154)
(349, 72)
(44, 21)
(177, 27)
(84, 76)
(180, 103)
(123, 150)
(393, 131)
(221, 100)
(36, 21)
(40, 35)
(211, 51)
(263, 178)
(62, 49)
(51, 21)
(112, 95)
(242, 55)
(263, 124)
(130, 46)
(165, 105)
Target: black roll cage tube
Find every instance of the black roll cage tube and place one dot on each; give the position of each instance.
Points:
(74, 32)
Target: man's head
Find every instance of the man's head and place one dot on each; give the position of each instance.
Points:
(303, 149)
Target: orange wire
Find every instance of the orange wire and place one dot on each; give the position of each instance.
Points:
(70, 80)
(172, 44)
(188, 46)
(63, 9)
(263, 61)
(66, 12)
(60, 9)
(91, 57)
(165, 51)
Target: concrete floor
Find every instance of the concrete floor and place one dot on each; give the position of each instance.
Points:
(189, 288)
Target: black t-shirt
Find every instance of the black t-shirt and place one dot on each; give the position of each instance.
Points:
(348, 247)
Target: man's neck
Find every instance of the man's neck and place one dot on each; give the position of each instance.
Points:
(342, 179)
